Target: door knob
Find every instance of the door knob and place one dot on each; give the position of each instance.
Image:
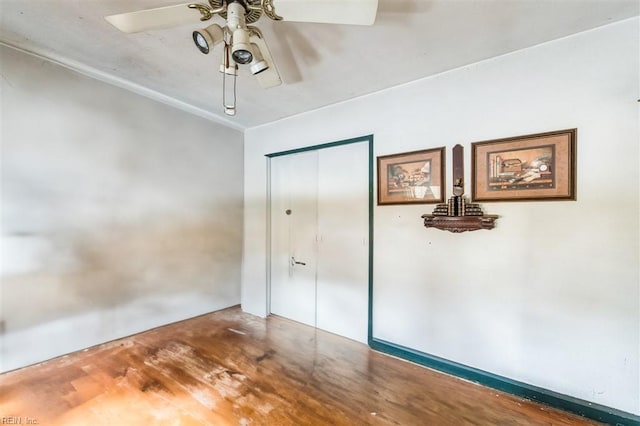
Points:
(295, 262)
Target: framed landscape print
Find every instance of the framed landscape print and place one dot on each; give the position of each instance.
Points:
(411, 178)
(533, 167)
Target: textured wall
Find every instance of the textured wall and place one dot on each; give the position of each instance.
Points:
(117, 212)
(551, 297)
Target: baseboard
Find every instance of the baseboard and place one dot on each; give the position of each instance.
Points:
(563, 402)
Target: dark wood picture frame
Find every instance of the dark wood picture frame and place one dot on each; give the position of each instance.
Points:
(415, 177)
(537, 167)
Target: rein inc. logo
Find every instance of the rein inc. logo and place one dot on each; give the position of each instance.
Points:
(18, 420)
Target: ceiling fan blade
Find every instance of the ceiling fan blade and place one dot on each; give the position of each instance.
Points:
(353, 12)
(154, 19)
(269, 77)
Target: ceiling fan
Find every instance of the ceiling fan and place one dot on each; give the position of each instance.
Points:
(244, 44)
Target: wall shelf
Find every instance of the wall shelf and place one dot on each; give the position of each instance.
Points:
(459, 224)
(458, 215)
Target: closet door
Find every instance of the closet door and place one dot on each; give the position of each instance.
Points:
(343, 243)
(294, 224)
(319, 217)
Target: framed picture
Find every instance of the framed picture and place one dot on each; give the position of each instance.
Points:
(533, 167)
(412, 177)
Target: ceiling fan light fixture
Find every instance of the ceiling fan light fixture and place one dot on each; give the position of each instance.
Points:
(206, 38)
(258, 64)
(258, 67)
(241, 47)
(241, 55)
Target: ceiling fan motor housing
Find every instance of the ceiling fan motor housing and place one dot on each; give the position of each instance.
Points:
(251, 14)
(235, 15)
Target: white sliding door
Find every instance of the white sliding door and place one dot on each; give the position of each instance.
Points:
(319, 238)
(343, 240)
(294, 226)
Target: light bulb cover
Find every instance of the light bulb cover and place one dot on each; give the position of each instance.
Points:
(241, 55)
(258, 64)
(241, 47)
(206, 38)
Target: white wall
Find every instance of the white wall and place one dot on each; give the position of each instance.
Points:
(551, 297)
(119, 214)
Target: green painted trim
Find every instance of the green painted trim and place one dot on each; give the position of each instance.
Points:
(564, 402)
(325, 145)
(371, 208)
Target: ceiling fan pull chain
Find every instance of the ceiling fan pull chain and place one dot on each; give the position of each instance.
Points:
(229, 109)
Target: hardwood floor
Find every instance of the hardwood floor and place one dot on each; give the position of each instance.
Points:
(230, 368)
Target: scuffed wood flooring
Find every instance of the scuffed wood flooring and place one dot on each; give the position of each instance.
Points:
(230, 368)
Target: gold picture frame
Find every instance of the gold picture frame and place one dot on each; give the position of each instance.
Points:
(537, 167)
(415, 177)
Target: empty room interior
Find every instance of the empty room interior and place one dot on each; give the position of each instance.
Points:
(292, 212)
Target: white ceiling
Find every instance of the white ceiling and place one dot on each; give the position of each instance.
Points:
(320, 64)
